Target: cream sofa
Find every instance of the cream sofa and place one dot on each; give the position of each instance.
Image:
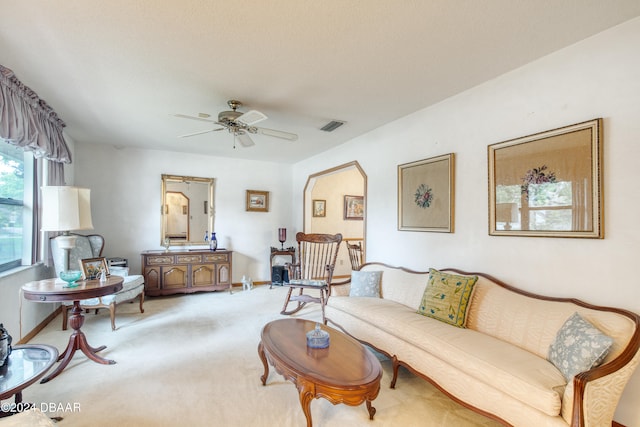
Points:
(497, 365)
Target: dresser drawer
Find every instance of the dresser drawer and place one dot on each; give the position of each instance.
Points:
(159, 259)
(215, 257)
(187, 259)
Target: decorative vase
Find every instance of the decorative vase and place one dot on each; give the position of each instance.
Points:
(213, 242)
(317, 338)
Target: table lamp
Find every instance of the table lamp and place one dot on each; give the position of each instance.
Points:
(64, 209)
(507, 213)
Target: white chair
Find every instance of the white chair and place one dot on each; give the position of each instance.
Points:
(91, 247)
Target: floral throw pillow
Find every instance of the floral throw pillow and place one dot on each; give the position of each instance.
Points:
(579, 346)
(447, 297)
(365, 284)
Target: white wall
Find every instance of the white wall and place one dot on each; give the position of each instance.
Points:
(126, 198)
(19, 315)
(597, 77)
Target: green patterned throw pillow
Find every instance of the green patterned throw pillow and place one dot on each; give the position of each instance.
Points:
(579, 346)
(447, 297)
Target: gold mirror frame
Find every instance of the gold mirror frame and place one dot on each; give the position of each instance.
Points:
(200, 210)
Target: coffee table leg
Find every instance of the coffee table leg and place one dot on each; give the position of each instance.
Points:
(264, 377)
(306, 396)
(371, 409)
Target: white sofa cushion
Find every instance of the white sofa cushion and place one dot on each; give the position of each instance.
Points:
(519, 373)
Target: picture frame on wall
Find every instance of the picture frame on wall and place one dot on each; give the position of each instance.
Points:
(93, 267)
(319, 208)
(548, 184)
(353, 207)
(426, 195)
(257, 201)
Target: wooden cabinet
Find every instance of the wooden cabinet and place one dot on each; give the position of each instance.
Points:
(182, 272)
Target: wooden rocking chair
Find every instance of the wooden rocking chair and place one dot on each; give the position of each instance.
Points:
(355, 254)
(317, 254)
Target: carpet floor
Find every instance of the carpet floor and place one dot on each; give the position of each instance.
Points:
(192, 360)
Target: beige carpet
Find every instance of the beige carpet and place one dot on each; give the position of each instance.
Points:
(192, 360)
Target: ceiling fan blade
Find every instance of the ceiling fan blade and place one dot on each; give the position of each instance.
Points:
(244, 139)
(185, 116)
(199, 133)
(251, 117)
(277, 134)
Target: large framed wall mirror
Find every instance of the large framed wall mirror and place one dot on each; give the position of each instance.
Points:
(548, 184)
(187, 209)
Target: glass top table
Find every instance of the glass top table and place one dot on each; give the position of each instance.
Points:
(26, 364)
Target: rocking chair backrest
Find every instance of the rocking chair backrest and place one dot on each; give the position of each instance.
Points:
(355, 254)
(317, 254)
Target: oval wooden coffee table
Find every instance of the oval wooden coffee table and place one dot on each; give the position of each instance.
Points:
(345, 372)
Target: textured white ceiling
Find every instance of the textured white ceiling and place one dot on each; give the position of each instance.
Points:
(116, 71)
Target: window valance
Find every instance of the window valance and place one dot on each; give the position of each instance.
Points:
(29, 122)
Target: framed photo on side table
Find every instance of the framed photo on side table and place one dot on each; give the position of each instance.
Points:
(257, 201)
(92, 267)
(426, 194)
(548, 184)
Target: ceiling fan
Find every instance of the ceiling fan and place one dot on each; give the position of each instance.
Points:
(239, 124)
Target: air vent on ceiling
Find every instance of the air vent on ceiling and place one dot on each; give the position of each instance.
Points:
(331, 126)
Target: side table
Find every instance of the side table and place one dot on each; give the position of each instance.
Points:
(290, 252)
(26, 365)
(52, 290)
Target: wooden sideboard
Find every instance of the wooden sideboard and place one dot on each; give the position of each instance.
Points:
(186, 271)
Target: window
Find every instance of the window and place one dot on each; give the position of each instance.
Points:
(546, 206)
(16, 175)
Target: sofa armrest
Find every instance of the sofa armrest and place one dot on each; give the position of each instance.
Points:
(594, 387)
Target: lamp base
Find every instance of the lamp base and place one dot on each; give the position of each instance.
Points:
(66, 241)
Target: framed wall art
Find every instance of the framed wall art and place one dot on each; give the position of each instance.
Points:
(92, 267)
(548, 184)
(257, 201)
(426, 195)
(319, 208)
(353, 207)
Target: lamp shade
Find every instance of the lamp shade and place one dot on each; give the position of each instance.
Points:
(66, 208)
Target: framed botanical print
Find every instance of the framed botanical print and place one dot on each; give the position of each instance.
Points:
(548, 184)
(426, 195)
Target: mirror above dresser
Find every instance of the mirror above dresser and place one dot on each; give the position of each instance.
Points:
(187, 210)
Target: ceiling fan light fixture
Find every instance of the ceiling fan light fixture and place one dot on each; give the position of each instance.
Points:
(332, 125)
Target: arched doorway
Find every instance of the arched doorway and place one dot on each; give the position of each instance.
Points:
(324, 207)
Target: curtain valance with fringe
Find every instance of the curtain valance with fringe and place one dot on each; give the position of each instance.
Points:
(29, 122)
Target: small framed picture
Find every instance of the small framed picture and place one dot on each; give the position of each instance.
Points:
(354, 207)
(319, 208)
(257, 201)
(93, 267)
